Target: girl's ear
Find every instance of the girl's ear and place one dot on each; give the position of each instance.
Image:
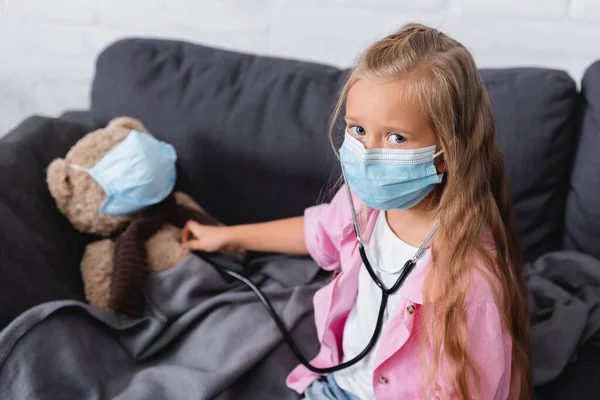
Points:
(59, 185)
(440, 164)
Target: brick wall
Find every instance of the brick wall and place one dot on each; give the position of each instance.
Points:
(48, 47)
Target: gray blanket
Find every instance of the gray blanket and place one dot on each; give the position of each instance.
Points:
(564, 297)
(201, 337)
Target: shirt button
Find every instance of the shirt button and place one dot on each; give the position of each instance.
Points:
(410, 309)
(383, 379)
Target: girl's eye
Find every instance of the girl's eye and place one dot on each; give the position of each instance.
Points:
(394, 138)
(357, 130)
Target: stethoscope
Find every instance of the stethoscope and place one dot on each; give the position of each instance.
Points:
(385, 293)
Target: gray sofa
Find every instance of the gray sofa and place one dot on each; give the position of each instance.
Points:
(250, 132)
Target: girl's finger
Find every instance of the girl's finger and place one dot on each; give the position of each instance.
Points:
(186, 235)
(192, 245)
(195, 228)
(190, 230)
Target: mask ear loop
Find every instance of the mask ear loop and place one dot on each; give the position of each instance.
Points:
(443, 174)
(77, 167)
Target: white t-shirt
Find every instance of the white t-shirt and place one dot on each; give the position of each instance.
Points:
(388, 253)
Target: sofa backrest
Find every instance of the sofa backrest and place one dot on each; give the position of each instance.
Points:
(535, 113)
(251, 131)
(582, 220)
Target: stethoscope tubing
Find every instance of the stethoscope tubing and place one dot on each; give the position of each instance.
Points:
(385, 293)
(287, 337)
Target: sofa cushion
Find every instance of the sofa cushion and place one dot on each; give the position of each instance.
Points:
(251, 131)
(40, 250)
(582, 222)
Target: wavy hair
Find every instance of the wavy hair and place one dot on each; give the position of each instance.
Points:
(441, 78)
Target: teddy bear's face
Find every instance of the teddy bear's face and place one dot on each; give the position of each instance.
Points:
(78, 196)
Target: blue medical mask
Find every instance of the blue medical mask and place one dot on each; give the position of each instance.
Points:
(387, 179)
(138, 172)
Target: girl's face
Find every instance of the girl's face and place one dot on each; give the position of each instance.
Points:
(379, 116)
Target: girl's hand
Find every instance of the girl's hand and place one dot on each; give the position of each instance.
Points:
(197, 237)
(282, 236)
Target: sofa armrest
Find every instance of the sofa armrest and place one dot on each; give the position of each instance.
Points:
(40, 251)
(79, 116)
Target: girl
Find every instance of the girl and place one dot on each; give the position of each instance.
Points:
(421, 160)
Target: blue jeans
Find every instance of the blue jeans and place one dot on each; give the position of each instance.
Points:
(327, 389)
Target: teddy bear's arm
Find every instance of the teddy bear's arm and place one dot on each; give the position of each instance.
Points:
(186, 201)
(96, 272)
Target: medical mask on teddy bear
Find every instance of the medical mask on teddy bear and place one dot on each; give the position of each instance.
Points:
(137, 173)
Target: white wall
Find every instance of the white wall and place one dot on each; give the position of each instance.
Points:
(48, 47)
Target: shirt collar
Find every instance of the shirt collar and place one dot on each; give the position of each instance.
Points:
(412, 288)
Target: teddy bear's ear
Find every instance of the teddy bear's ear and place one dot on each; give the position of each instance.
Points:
(129, 123)
(59, 185)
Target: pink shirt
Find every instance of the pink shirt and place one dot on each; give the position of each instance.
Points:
(331, 241)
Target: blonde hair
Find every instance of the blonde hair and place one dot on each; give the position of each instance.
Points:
(442, 80)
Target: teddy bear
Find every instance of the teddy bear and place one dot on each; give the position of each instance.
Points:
(131, 246)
